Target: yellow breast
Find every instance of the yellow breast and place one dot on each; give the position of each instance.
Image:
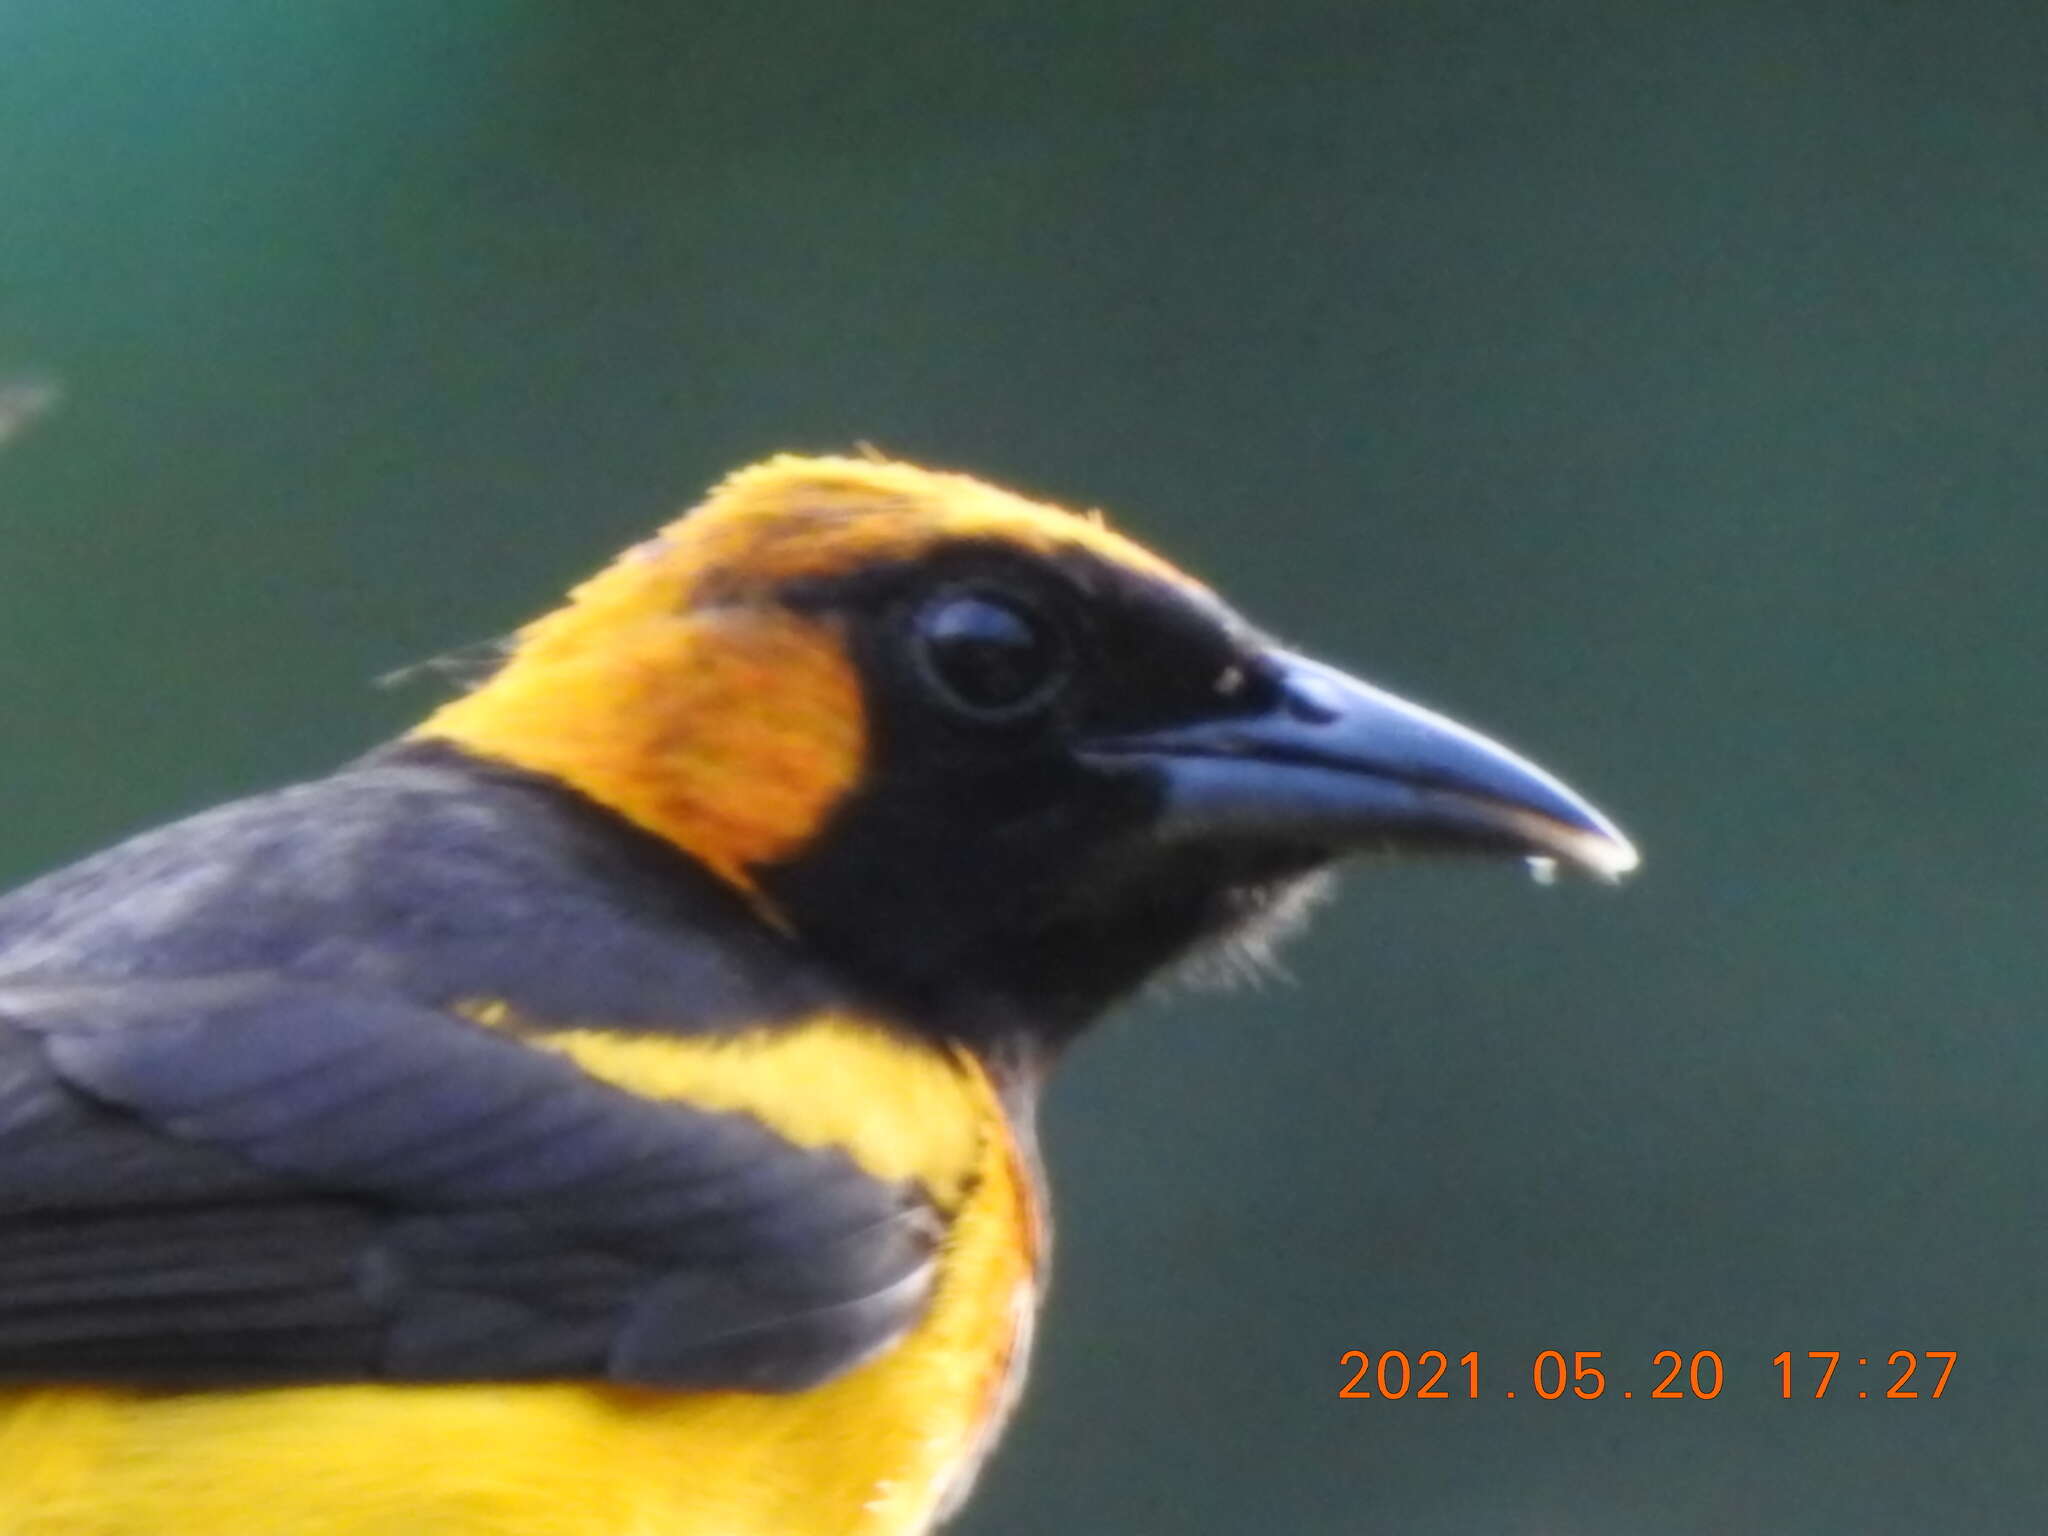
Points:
(877, 1452)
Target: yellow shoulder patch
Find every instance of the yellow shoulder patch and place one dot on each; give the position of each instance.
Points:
(901, 1109)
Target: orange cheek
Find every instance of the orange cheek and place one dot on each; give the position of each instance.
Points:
(756, 743)
(732, 734)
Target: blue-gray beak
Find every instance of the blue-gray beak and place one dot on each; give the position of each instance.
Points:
(1335, 763)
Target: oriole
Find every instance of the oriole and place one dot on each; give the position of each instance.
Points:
(607, 1111)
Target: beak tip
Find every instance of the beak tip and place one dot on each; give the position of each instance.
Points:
(1601, 851)
(1620, 861)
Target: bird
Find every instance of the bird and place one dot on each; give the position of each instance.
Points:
(608, 1109)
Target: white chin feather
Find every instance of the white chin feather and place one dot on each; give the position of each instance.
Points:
(1247, 952)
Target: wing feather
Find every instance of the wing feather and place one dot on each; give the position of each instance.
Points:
(247, 1178)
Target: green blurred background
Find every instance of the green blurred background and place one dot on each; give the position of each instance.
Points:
(1662, 387)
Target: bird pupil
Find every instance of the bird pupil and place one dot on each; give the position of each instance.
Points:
(987, 654)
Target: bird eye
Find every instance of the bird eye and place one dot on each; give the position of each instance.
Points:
(987, 656)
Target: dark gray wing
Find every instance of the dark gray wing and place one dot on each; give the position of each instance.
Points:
(253, 1180)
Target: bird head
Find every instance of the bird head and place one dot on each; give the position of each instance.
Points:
(984, 754)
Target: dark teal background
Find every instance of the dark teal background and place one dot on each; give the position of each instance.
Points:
(1662, 387)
